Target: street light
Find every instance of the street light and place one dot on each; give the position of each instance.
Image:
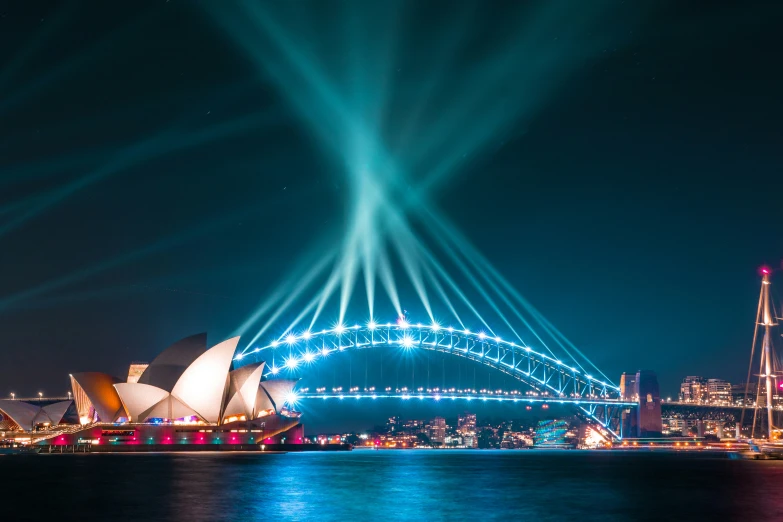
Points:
(69, 395)
(40, 396)
(13, 396)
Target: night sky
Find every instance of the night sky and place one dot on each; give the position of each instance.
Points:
(159, 175)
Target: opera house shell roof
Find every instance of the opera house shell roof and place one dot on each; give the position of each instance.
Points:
(24, 415)
(186, 381)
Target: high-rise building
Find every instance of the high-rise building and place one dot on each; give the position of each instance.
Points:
(738, 394)
(393, 424)
(135, 371)
(466, 426)
(693, 389)
(719, 391)
(436, 430)
(414, 426)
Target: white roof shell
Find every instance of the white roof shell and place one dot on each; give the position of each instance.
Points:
(22, 413)
(243, 389)
(56, 411)
(139, 398)
(96, 390)
(203, 384)
(279, 390)
(167, 368)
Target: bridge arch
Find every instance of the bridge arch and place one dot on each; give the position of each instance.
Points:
(594, 399)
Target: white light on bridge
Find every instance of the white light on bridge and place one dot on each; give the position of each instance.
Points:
(340, 328)
(371, 325)
(291, 363)
(292, 398)
(306, 335)
(407, 341)
(435, 327)
(290, 339)
(308, 357)
(402, 323)
(482, 335)
(275, 369)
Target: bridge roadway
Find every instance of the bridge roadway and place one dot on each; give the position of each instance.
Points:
(466, 396)
(714, 412)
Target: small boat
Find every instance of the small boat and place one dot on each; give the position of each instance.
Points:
(772, 450)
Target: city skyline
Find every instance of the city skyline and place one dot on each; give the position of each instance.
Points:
(91, 238)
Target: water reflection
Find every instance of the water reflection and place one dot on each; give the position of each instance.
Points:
(394, 485)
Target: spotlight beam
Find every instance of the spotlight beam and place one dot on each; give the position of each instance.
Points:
(164, 142)
(148, 250)
(314, 272)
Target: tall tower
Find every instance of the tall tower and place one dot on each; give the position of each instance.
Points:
(768, 366)
(766, 353)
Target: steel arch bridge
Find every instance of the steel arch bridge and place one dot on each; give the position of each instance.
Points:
(597, 401)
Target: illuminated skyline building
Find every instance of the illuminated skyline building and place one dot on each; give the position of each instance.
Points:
(436, 430)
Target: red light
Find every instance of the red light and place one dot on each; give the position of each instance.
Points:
(780, 385)
(764, 270)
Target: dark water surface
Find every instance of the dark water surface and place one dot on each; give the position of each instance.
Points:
(366, 485)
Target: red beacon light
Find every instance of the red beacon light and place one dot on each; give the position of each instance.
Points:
(764, 270)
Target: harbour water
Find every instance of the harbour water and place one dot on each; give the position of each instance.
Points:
(363, 485)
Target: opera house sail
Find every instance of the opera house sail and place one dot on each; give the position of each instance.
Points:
(188, 395)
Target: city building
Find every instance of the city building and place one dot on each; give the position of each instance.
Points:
(719, 391)
(554, 434)
(466, 423)
(393, 424)
(436, 430)
(693, 389)
(466, 427)
(739, 395)
(414, 426)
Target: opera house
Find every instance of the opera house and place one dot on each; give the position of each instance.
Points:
(187, 396)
